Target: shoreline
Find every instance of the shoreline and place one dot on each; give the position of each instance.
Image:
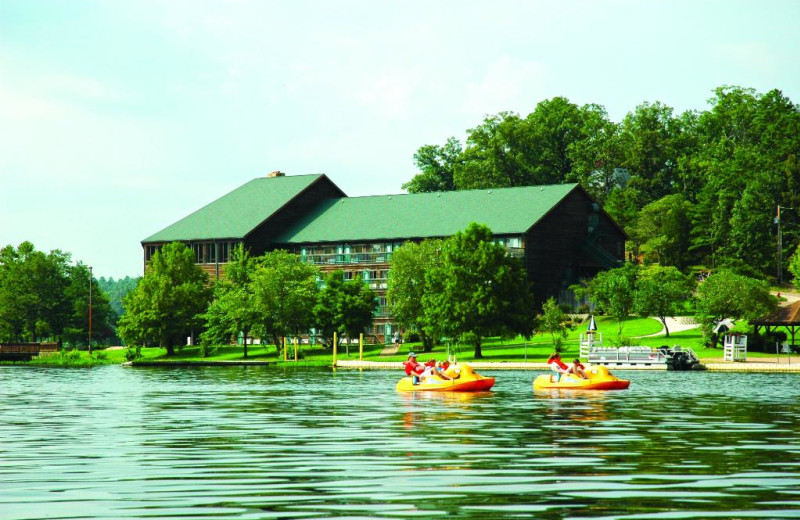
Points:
(707, 365)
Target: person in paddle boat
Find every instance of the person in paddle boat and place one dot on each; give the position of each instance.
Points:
(557, 366)
(429, 369)
(413, 369)
(577, 369)
(441, 368)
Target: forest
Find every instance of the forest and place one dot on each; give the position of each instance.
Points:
(699, 190)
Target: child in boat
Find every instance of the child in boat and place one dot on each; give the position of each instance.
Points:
(429, 368)
(441, 368)
(577, 369)
(558, 366)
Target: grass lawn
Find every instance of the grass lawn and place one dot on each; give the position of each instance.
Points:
(537, 349)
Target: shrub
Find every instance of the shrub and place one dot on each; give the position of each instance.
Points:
(133, 353)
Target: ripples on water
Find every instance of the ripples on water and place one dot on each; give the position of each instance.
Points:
(262, 442)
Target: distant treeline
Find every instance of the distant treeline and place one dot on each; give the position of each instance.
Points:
(693, 190)
(44, 296)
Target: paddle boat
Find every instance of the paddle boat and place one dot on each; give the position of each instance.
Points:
(599, 379)
(462, 379)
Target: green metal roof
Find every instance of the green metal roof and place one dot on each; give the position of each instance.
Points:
(424, 215)
(239, 212)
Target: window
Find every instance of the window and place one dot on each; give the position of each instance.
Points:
(149, 251)
(198, 253)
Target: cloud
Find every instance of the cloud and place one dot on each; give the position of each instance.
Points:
(508, 84)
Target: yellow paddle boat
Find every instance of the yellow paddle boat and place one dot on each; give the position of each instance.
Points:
(462, 379)
(599, 379)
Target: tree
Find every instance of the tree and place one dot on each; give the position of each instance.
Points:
(168, 302)
(660, 292)
(662, 231)
(554, 322)
(116, 290)
(436, 165)
(725, 294)
(499, 154)
(76, 327)
(232, 310)
(794, 266)
(344, 307)
(477, 290)
(45, 296)
(285, 292)
(648, 141)
(614, 292)
(407, 285)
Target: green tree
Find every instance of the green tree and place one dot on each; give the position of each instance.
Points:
(499, 154)
(614, 291)
(76, 328)
(436, 166)
(33, 297)
(662, 231)
(285, 292)
(661, 291)
(649, 138)
(232, 310)
(748, 299)
(344, 307)
(794, 266)
(477, 290)
(407, 285)
(116, 290)
(725, 294)
(554, 321)
(168, 302)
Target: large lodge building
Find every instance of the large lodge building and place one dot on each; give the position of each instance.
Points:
(558, 231)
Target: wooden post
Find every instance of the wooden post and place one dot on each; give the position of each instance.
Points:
(334, 349)
(361, 347)
(285, 355)
(295, 350)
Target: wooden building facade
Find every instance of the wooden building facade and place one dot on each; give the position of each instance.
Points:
(558, 231)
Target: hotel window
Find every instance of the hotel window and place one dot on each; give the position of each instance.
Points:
(149, 251)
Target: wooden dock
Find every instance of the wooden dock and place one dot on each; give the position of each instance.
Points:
(25, 351)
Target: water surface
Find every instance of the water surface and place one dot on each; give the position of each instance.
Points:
(264, 442)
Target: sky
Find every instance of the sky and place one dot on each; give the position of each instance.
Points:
(119, 117)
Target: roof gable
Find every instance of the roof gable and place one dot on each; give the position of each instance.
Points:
(425, 215)
(239, 212)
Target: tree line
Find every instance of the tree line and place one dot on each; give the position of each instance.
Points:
(695, 190)
(44, 296)
(267, 297)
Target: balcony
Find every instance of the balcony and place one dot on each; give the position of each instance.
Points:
(347, 258)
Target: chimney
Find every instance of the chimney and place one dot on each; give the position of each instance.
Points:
(276, 173)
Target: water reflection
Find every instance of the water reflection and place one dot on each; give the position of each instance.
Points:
(260, 442)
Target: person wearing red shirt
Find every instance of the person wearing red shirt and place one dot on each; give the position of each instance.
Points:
(413, 368)
(577, 368)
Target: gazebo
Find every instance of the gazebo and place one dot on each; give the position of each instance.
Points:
(787, 317)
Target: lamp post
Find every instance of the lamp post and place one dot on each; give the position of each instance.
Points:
(90, 311)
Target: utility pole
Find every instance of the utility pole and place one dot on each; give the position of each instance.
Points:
(90, 311)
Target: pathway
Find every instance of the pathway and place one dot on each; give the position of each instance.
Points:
(678, 324)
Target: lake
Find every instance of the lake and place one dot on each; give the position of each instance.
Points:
(275, 443)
